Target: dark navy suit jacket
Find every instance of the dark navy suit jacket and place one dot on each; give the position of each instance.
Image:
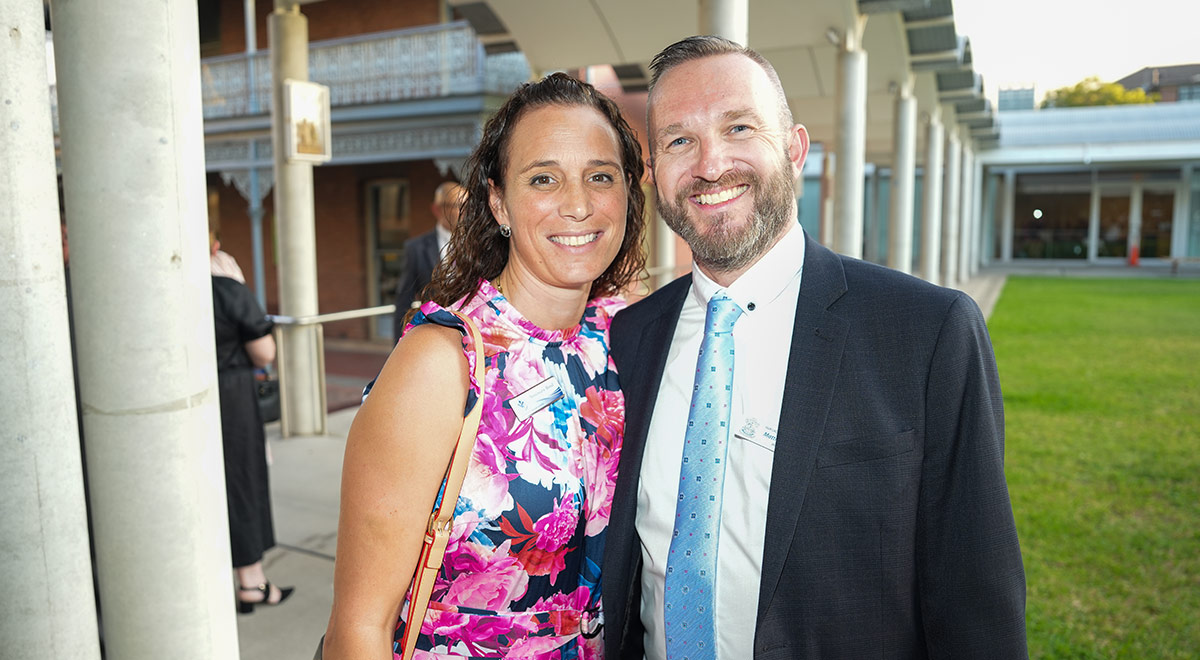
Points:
(421, 256)
(889, 530)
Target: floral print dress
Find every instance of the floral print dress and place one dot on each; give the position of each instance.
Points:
(521, 574)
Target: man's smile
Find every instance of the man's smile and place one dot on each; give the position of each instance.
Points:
(720, 196)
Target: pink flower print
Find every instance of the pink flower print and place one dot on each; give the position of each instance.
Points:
(537, 648)
(495, 393)
(600, 479)
(591, 649)
(557, 527)
(575, 601)
(497, 581)
(601, 311)
(439, 621)
(483, 631)
(471, 557)
(542, 562)
(601, 454)
(528, 452)
(523, 371)
(485, 479)
(605, 411)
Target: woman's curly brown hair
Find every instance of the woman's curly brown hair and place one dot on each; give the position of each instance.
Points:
(477, 250)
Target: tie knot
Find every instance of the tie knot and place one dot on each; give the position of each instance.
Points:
(722, 314)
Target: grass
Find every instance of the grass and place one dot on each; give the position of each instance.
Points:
(1101, 382)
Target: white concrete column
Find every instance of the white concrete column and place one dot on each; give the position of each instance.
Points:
(966, 207)
(250, 25)
(1093, 250)
(726, 18)
(931, 199)
(133, 175)
(828, 176)
(1008, 205)
(977, 217)
(47, 605)
(851, 147)
(904, 169)
(1183, 213)
(872, 229)
(296, 226)
(950, 208)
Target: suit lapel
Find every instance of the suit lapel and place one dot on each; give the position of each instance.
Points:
(432, 253)
(818, 340)
(640, 372)
(640, 386)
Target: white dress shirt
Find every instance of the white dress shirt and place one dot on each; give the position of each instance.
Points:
(443, 238)
(762, 339)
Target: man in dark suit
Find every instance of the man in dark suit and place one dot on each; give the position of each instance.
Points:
(857, 505)
(423, 253)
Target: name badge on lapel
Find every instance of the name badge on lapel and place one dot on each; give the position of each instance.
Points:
(756, 433)
(525, 404)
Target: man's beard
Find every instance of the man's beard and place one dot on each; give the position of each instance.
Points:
(725, 248)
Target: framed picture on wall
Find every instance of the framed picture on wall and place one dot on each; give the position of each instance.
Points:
(306, 115)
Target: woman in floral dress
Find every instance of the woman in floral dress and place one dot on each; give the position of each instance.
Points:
(551, 229)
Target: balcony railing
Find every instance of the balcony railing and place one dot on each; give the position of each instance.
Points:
(420, 63)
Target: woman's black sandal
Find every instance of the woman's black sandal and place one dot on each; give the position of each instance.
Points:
(247, 607)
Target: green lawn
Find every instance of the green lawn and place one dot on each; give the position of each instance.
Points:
(1101, 382)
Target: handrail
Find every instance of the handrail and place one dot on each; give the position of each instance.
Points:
(283, 322)
(333, 316)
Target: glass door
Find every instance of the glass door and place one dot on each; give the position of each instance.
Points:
(387, 204)
(1158, 215)
(1114, 223)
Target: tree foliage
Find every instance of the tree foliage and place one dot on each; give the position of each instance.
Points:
(1091, 91)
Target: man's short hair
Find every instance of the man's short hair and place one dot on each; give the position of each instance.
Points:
(442, 193)
(702, 46)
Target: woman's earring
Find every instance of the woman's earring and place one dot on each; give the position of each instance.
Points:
(505, 231)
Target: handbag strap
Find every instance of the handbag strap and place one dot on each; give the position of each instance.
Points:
(437, 534)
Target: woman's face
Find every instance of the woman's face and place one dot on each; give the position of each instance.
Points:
(565, 196)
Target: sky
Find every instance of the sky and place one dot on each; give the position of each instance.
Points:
(1056, 43)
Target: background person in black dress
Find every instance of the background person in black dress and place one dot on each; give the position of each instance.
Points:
(244, 341)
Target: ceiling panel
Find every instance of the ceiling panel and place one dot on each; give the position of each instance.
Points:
(798, 69)
(641, 28)
(887, 52)
(782, 23)
(558, 34)
(567, 34)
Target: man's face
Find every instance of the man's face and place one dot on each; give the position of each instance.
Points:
(453, 207)
(722, 160)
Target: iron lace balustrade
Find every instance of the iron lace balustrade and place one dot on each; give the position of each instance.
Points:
(419, 63)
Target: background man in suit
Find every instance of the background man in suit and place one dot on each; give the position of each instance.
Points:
(858, 507)
(423, 253)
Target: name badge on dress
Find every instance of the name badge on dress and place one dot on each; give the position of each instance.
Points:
(525, 404)
(756, 433)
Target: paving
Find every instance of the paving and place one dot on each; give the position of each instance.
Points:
(305, 478)
(306, 474)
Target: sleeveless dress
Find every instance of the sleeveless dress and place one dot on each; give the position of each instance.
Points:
(521, 574)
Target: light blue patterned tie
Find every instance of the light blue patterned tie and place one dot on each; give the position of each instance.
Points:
(692, 564)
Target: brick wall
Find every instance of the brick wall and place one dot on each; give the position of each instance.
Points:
(341, 234)
(329, 20)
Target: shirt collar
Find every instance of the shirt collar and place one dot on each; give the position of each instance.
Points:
(443, 236)
(765, 280)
